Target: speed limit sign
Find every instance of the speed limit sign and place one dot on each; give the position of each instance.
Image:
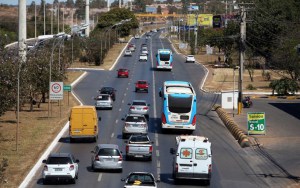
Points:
(56, 90)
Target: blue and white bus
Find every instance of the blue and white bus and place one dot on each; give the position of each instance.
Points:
(164, 59)
(179, 106)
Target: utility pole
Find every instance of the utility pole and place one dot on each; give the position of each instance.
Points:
(58, 17)
(242, 56)
(34, 19)
(63, 19)
(120, 4)
(45, 18)
(52, 20)
(196, 32)
(108, 9)
(87, 17)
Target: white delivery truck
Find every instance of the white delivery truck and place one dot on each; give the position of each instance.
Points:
(193, 158)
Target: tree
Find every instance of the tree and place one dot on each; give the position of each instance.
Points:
(170, 2)
(41, 12)
(172, 9)
(70, 3)
(31, 7)
(140, 5)
(159, 9)
(98, 4)
(80, 5)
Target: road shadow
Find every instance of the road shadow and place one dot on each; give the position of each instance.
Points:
(168, 179)
(113, 171)
(40, 181)
(66, 140)
(290, 108)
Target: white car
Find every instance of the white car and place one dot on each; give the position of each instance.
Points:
(60, 166)
(190, 58)
(127, 53)
(137, 36)
(143, 57)
(104, 101)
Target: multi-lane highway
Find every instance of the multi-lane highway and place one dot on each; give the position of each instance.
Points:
(232, 165)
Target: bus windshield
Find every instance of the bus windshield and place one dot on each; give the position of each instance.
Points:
(180, 104)
(164, 57)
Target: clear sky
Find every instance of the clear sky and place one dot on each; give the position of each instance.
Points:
(28, 2)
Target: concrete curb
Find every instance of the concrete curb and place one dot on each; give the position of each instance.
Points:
(116, 61)
(233, 128)
(39, 163)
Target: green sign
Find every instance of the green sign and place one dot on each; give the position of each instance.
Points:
(67, 87)
(256, 123)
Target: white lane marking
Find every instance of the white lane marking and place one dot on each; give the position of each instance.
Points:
(158, 164)
(100, 177)
(157, 153)
(122, 101)
(158, 173)
(153, 88)
(117, 121)
(126, 88)
(156, 143)
(124, 94)
(120, 109)
(112, 135)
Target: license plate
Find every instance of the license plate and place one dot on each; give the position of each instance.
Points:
(178, 127)
(58, 169)
(109, 159)
(138, 156)
(139, 108)
(77, 131)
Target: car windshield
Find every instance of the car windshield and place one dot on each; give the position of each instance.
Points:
(123, 70)
(164, 57)
(108, 152)
(102, 98)
(59, 160)
(139, 103)
(143, 55)
(140, 179)
(190, 56)
(106, 90)
(135, 119)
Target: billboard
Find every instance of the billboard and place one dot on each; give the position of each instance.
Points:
(193, 8)
(150, 9)
(203, 20)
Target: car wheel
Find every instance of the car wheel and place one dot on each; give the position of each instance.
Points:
(176, 181)
(121, 170)
(150, 158)
(147, 91)
(96, 138)
(73, 181)
(136, 90)
(124, 136)
(76, 176)
(45, 182)
(92, 167)
(71, 140)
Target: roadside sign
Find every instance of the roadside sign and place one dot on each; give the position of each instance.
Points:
(56, 90)
(67, 87)
(256, 123)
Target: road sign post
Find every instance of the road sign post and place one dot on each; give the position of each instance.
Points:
(68, 88)
(256, 123)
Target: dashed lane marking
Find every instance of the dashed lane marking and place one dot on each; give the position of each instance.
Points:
(100, 177)
(157, 153)
(112, 135)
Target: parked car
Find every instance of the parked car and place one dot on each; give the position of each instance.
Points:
(127, 53)
(140, 180)
(143, 57)
(60, 166)
(123, 73)
(104, 101)
(139, 146)
(106, 157)
(139, 107)
(108, 90)
(134, 124)
(141, 85)
(190, 58)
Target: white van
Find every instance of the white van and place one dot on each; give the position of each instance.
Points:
(193, 158)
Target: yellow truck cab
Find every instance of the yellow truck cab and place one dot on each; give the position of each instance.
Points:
(83, 123)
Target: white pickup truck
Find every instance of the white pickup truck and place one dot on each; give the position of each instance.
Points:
(139, 146)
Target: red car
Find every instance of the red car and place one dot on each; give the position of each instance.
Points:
(141, 85)
(123, 73)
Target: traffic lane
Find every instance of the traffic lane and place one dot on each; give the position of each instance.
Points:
(282, 138)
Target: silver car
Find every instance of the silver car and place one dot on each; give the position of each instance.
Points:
(139, 107)
(107, 157)
(104, 101)
(134, 124)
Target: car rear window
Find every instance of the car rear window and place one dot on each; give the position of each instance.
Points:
(108, 152)
(142, 82)
(102, 98)
(135, 119)
(140, 179)
(139, 103)
(59, 160)
(139, 138)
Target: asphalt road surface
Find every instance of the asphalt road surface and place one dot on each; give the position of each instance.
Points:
(232, 165)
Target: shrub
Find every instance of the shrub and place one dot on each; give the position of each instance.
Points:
(266, 75)
(284, 86)
(250, 87)
(3, 167)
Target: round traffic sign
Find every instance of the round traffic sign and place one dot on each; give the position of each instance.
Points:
(56, 88)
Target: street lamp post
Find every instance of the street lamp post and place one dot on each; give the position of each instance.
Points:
(233, 97)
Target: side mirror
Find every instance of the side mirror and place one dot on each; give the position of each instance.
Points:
(129, 104)
(99, 118)
(157, 181)
(125, 141)
(44, 161)
(77, 161)
(92, 151)
(152, 142)
(172, 151)
(123, 119)
(159, 93)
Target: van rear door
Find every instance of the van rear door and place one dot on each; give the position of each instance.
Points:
(202, 161)
(83, 122)
(185, 161)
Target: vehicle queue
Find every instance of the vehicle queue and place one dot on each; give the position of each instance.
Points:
(84, 124)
